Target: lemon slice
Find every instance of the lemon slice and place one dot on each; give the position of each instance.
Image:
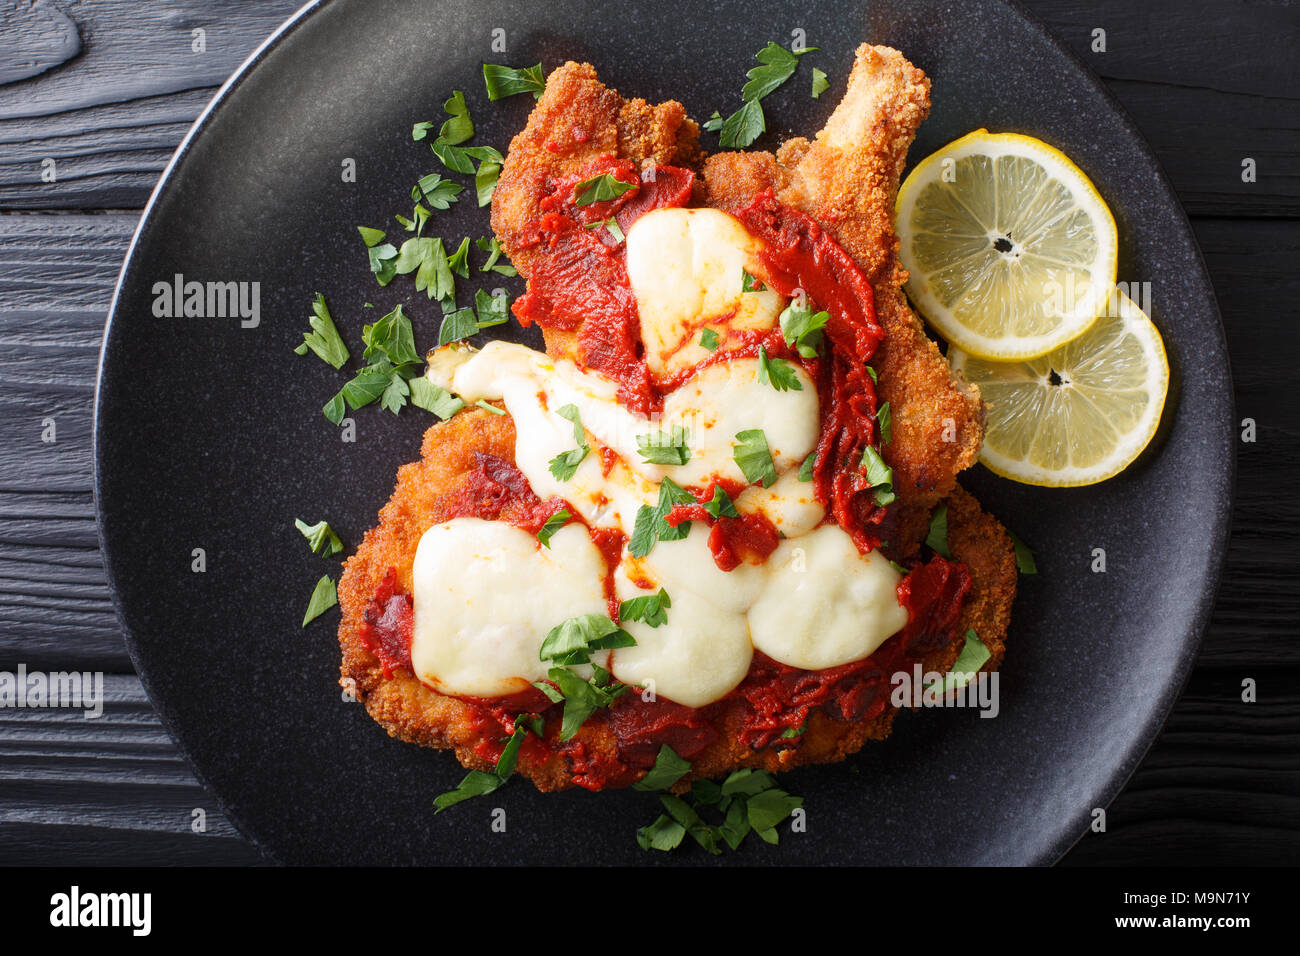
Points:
(1080, 414)
(1010, 248)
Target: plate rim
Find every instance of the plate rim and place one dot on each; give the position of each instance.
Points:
(1142, 742)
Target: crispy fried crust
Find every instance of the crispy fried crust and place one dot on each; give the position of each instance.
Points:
(847, 178)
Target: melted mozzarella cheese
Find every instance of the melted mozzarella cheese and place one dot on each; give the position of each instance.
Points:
(825, 604)
(696, 657)
(486, 595)
(685, 268)
(721, 401)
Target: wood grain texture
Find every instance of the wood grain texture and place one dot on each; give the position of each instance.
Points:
(112, 117)
(35, 36)
(1206, 83)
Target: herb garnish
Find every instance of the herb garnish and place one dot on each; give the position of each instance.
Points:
(802, 328)
(885, 422)
(1025, 563)
(720, 505)
(747, 800)
(320, 536)
(651, 526)
(777, 372)
(937, 539)
(709, 339)
(600, 189)
(650, 608)
(754, 458)
(665, 448)
(324, 597)
(553, 524)
(565, 465)
(668, 769)
(748, 123)
(324, 338)
(879, 475)
(503, 81)
(478, 783)
(819, 83)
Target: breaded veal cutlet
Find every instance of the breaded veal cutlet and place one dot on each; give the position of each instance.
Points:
(847, 179)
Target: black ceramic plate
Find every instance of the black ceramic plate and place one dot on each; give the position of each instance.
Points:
(209, 435)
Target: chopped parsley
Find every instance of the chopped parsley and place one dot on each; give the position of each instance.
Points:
(879, 475)
(802, 328)
(553, 524)
(382, 254)
(668, 769)
(937, 539)
(478, 783)
(489, 407)
(492, 247)
(819, 83)
(320, 536)
(568, 644)
(565, 465)
(665, 448)
(650, 608)
(754, 458)
(433, 398)
(611, 226)
(748, 800)
(650, 525)
(709, 339)
(488, 310)
(601, 189)
(390, 350)
(714, 123)
(427, 258)
(749, 283)
(324, 597)
(437, 192)
(973, 656)
(790, 733)
(806, 469)
(777, 372)
(503, 81)
(324, 338)
(720, 505)
(885, 422)
(1025, 563)
(777, 64)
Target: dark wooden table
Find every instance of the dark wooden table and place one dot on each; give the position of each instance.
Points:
(1211, 84)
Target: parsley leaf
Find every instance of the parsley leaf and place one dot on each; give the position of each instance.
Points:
(668, 769)
(458, 261)
(582, 697)
(437, 192)
(492, 247)
(709, 339)
(553, 524)
(778, 66)
(478, 783)
(485, 181)
(1025, 563)
(748, 800)
(806, 469)
(665, 448)
(611, 226)
(571, 641)
(791, 733)
(503, 81)
(643, 533)
(324, 597)
(937, 539)
(650, 608)
(434, 398)
(743, 126)
(565, 465)
(324, 338)
(713, 123)
(753, 457)
(720, 505)
(601, 189)
(802, 328)
(777, 372)
(391, 337)
(973, 656)
(750, 283)
(381, 256)
(320, 536)
(426, 257)
(819, 83)
(492, 309)
(457, 325)
(879, 475)
(885, 421)
(650, 525)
